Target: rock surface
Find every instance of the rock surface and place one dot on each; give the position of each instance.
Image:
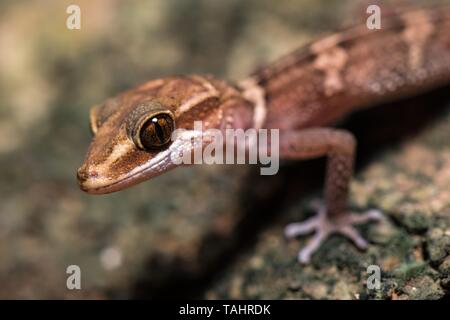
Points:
(411, 245)
(202, 231)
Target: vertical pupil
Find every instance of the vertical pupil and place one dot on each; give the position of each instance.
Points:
(158, 129)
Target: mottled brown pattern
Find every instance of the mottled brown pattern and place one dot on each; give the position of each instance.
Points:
(377, 67)
(112, 153)
(299, 94)
(339, 145)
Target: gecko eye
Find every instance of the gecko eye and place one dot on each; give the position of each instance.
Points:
(155, 131)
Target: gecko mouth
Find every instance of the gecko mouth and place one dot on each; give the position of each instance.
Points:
(94, 180)
(93, 184)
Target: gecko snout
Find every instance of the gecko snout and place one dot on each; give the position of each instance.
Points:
(85, 176)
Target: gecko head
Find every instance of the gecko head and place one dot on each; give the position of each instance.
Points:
(137, 134)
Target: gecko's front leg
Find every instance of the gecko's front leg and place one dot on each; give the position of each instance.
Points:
(333, 217)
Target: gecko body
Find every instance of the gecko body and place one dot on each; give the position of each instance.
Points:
(301, 94)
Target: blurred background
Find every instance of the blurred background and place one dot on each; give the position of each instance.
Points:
(190, 232)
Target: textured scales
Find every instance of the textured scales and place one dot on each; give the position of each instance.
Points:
(114, 162)
(326, 80)
(299, 94)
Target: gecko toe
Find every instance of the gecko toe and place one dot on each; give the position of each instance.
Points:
(324, 226)
(354, 236)
(304, 255)
(296, 229)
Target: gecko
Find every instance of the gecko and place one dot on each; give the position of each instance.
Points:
(303, 94)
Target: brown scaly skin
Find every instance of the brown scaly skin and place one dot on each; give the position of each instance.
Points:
(112, 155)
(299, 94)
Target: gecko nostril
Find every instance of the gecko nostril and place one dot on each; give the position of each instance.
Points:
(81, 175)
(92, 174)
(84, 174)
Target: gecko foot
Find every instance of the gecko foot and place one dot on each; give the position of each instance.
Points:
(324, 226)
